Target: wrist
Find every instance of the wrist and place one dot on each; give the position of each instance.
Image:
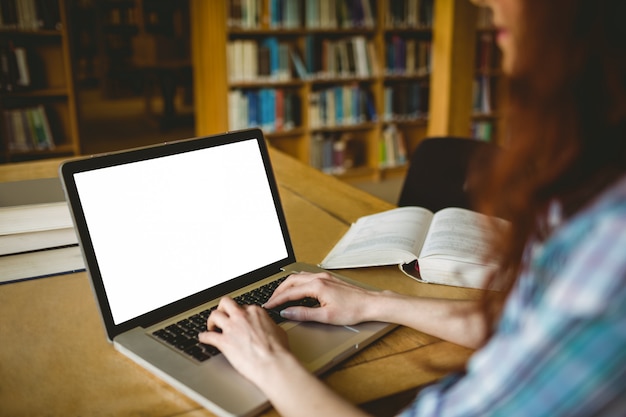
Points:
(379, 305)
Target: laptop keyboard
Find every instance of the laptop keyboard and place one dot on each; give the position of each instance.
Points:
(183, 335)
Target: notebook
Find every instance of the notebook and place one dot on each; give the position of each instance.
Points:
(166, 231)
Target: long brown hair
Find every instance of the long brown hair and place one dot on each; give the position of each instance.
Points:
(566, 118)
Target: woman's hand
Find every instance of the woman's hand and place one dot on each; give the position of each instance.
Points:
(340, 303)
(248, 338)
(257, 348)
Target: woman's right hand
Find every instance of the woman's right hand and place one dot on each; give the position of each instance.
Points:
(340, 303)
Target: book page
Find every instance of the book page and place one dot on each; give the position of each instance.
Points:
(391, 237)
(458, 234)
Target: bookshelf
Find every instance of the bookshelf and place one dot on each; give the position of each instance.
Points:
(37, 96)
(365, 118)
(488, 89)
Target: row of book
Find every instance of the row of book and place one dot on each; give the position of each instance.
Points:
(409, 14)
(345, 14)
(348, 57)
(344, 105)
(405, 101)
(487, 55)
(294, 14)
(27, 129)
(252, 60)
(408, 56)
(272, 109)
(29, 15)
(482, 91)
(483, 130)
(336, 152)
(14, 68)
(392, 148)
(269, 59)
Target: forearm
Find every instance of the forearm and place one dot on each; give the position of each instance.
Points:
(457, 321)
(285, 381)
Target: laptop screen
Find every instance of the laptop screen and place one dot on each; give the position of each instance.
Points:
(168, 227)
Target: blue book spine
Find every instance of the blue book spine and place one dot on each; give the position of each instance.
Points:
(272, 44)
(253, 108)
(272, 110)
(338, 91)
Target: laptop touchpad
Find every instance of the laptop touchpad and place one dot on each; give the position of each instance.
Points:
(308, 341)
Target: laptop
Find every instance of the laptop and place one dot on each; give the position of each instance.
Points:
(165, 232)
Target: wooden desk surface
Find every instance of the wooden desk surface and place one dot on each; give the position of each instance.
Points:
(55, 360)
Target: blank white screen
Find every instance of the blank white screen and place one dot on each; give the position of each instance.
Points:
(167, 228)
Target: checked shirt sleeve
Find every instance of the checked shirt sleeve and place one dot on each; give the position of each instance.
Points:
(561, 347)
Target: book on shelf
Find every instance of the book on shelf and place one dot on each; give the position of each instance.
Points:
(482, 94)
(484, 18)
(293, 14)
(298, 64)
(342, 105)
(29, 15)
(483, 130)
(338, 14)
(449, 247)
(409, 14)
(407, 56)
(245, 14)
(486, 53)
(336, 153)
(285, 14)
(405, 101)
(354, 56)
(272, 109)
(15, 71)
(392, 148)
(267, 60)
(27, 129)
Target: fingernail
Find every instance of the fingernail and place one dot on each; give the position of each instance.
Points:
(286, 314)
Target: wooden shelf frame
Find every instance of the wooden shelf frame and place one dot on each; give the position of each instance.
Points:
(451, 79)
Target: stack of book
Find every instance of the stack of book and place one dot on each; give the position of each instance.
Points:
(37, 237)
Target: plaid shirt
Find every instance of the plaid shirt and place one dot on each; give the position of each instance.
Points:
(560, 346)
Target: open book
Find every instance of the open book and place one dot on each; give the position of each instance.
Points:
(447, 247)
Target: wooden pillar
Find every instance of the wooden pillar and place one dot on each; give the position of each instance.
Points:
(454, 49)
(208, 50)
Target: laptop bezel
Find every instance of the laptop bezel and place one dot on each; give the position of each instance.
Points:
(70, 168)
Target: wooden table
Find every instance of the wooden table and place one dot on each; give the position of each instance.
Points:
(55, 359)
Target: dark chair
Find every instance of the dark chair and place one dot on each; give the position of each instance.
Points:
(437, 172)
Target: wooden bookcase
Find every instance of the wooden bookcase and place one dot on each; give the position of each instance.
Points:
(489, 88)
(446, 110)
(41, 39)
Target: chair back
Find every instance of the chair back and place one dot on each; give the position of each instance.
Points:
(436, 177)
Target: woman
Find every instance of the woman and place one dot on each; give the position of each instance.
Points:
(557, 346)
